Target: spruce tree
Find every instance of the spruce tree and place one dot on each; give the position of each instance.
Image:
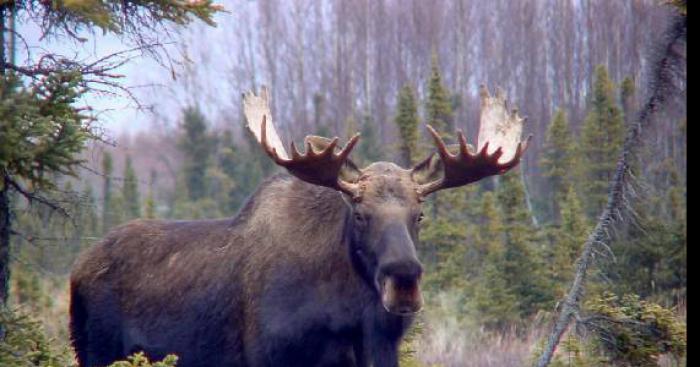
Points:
(196, 146)
(228, 163)
(407, 121)
(44, 128)
(130, 192)
(601, 142)
(558, 161)
(524, 267)
(150, 204)
(91, 218)
(568, 239)
(496, 303)
(438, 106)
(370, 149)
(107, 200)
(627, 92)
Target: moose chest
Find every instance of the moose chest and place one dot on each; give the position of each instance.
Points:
(314, 321)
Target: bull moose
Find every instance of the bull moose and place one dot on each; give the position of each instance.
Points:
(318, 268)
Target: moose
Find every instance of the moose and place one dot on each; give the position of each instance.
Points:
(318, 268)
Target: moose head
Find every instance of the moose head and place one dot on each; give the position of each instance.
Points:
(383, 199)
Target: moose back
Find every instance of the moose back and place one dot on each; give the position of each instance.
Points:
(319, 267)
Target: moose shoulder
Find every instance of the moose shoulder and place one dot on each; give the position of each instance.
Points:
(319, 268)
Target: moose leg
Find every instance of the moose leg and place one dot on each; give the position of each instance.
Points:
(358, 348)
(385, 354)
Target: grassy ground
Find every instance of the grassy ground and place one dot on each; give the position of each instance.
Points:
(441, 339)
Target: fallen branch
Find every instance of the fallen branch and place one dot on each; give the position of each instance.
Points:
(661, 85)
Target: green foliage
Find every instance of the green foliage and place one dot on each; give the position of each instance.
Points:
(41, 131)
(627, 90)
(140, 360)
(408, 347)
(680, 5)
(634, 332)
(558, 160)
(24, 343)
(601, 141)
(652, 257)
(443, 246)
(70, 16)
(577, 352)
(108, 219)
(567, 239)
(88, 215)
(196, 146)
(150, 203)
(407, 121)
(523, 265)
(369, 150)
(130, 192)
(438, 106)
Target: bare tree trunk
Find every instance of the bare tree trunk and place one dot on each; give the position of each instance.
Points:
(4, 241)
(4, 187)
(662, 86)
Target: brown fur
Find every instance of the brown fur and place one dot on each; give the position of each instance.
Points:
(227, 292)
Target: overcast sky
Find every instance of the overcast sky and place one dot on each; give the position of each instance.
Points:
(118, 114)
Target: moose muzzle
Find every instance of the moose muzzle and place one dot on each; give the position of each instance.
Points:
(399, 285)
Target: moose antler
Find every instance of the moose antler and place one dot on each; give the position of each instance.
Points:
(319, 168)
(498, 146)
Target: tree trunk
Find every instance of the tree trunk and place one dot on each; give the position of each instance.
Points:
(4, 241)
(4, 189)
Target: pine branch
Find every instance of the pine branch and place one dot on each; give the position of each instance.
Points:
(661, 86)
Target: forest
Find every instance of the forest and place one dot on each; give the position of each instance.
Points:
(576, 257)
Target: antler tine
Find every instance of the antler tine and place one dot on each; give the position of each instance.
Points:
(519, 151)
(349, 146)
(441, 146)
(321, 168)
(271, 151)
(500, 128)
(463, 146)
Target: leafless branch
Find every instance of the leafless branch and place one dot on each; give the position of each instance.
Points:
(38, 198)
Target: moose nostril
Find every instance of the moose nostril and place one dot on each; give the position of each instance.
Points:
(403, 271)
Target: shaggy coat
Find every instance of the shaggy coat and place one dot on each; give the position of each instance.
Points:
(280, 284)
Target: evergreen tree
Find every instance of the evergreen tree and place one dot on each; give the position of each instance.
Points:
(320, 126)
(407, 121)
(558, 160)
(601, 142)
(568, 240)
(150, 204)
(627, 91)
(228, 156)
(196, 146)
(43, 130)
(495, 302)
(130, 192)
(91, 218)
(523, 266)
(370, 149)
(107, 200)
(438, 114)
(438, 106)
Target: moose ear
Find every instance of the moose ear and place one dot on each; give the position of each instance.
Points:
(349, 172)
(431, 168)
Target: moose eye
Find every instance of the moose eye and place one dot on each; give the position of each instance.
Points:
(359, 218)
(420, 217)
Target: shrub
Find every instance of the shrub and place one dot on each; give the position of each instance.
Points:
(634, 332)
(24, 343)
